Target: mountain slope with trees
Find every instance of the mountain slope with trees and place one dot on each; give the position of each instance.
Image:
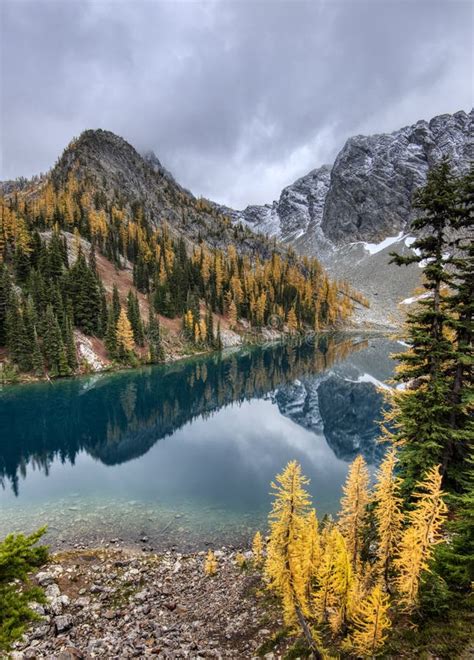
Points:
(188, 263)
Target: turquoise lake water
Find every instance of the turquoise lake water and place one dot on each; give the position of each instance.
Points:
(184, 453)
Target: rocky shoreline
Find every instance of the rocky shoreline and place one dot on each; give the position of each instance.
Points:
(119, 603)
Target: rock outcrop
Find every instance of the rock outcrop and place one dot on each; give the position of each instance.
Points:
(373, 178)
(366, 195)
(297, 213)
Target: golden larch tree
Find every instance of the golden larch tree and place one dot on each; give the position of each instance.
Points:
(124, 333)
(340, 583)
(284, 566)
(420, 537)
(388, 513)
(372, 623)
(353, 507)
(232, 314)
(210, 565)
(312, 556)
(257, 549)
(292, 321)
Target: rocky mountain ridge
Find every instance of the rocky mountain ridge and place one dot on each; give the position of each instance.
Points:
(353, 214)
(366, 194)
(128, 179)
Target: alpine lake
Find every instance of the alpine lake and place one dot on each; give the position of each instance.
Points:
(183, 454)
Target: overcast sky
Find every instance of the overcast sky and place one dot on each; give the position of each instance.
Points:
(236, 98)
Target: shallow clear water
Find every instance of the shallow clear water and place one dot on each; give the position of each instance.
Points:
(185, 453)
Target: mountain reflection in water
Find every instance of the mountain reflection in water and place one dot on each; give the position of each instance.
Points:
(226, 415)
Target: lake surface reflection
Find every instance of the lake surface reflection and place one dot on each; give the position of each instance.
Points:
(184, 453)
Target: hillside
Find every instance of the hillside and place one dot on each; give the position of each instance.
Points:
(107, 260)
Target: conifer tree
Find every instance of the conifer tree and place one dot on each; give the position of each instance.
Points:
(210, 565)
(232, 314)
(218, 342)
(85, 296)
(292, 321)
(17, 337)
(388, 513)
(312, 550)
(111, 332)
(154, 338)
(341, 581)
(460, 305)
(353, 507)
(115, 303)
(372, 623)
(133, 313)
(70, 345)
(423, 411)
(103, 316)
(37, 361)
(455, 560)
(285, 563)
(125, 343)
(5, 290)
(322, 593)
(257, 549)
(209, 327)
(420, 537)
(53, 346)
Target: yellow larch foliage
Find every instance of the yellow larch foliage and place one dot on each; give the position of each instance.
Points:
(124, 332)
(284, 566)
(257, 549)
(210, 565)
(205, 267)
(292, 321)
(388, 513)
(236, 287)
(312, 556)
(22, 237)
(420, 537)
(353, 507)
(97, 222)
(48, 202)
(260, 306)
(189, 322)
(372, 623)
(240, 560)
(218, 273)
(322, 594)
(232, 314)
(340, 583)
(202, 330)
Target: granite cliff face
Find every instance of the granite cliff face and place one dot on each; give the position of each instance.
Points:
(297, 213)
(373, 178)
(366, 195)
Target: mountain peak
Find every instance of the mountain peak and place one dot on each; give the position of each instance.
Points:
(153, 161)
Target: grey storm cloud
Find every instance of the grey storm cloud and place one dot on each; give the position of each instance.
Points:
(237, 98)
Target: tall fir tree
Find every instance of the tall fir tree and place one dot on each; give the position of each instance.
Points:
(156, 353)
(133, 313)
(423, 410)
